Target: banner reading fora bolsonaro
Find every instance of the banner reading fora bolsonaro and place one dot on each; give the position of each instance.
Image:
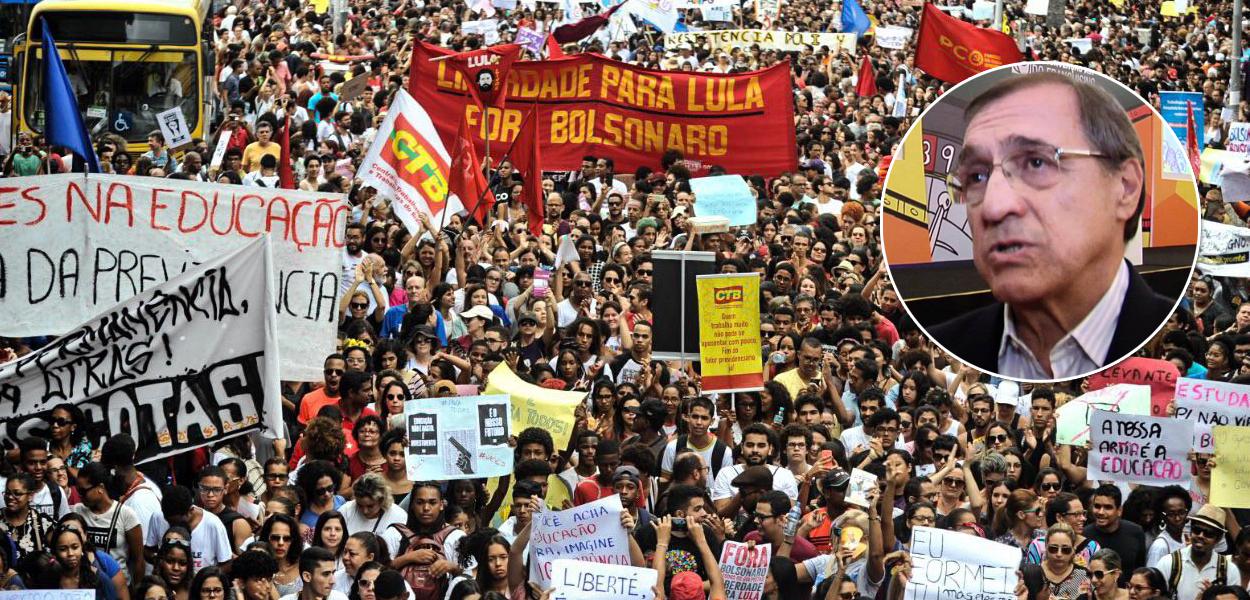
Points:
(590, 104)
(729, 332)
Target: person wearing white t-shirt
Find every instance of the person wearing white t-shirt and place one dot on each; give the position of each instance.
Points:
(111, 526)
(316, 569)
(698, 422)
(137, 492)
(210, 544)
(758, 448)
(47, 499)
(372, 508)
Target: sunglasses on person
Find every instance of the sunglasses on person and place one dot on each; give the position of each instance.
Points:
(1062, 550)
(276, 476)
(1051, 486)
(996, 439)
(583, 284)
(321, 491)
(59, 422)
(953, 482)
(333, 372)
(360, 305)
(1205, 532)
(1100, 573)
(645, 272)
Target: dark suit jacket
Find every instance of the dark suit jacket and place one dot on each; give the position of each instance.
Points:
(975, 337)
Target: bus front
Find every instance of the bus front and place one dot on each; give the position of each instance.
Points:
(125, 68)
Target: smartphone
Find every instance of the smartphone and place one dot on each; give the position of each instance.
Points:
(825, 458)
(542, 282)
(679, 524)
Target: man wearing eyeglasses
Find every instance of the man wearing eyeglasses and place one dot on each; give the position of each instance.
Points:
(1052, 177)
(334, 367)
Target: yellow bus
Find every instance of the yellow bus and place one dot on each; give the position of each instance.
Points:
(128, 60)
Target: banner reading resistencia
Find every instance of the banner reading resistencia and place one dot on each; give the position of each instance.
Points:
(184, 364)
(782, 41)
(76, 244)
(591, 104)
(729, 332)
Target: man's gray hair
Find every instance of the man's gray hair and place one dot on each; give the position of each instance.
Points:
(993, 463)
(372, 485)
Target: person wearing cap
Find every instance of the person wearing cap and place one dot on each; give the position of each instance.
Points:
(476, 319)
(531, 338)
(627, 482)
(607, 458)
(759, 448)
(833, 488)
(1198, 563)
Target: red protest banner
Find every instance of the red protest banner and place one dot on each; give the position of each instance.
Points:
(590, 104)
(953, 50)
(1160, 375)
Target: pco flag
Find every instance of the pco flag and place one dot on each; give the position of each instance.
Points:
(408, 163)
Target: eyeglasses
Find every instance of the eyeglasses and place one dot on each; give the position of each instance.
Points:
(1032, 511)
(276, 476)
(213, 591)
(583, 284)
(360, 305)
(1101, 574)
(760, 517)
(644, 272)
(321, 491)
(59, 422)
(929, 519)
(1064, 550)
(366, 584)
(14, 493)
(1201, 461)
(1037, 167)
(329, 372)
(996, 439)
(273, 537)
(631, 410)
(1210, 534)
(848, 595)
(796, 445)
(212, 491)
(1051, 487)
(1176, 514)
(953, 482)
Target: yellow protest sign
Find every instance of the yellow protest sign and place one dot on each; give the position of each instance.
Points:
(1212, 165)
(535, 406)
(1168, 9)
(1230, 479)
(320, 6)
(729, 332)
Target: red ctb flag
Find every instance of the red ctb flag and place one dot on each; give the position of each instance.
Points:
(486, 70)
(525, 156)
(953, 50)
(1191, 140)
(867, 84)
(286, 177)
(466, 180)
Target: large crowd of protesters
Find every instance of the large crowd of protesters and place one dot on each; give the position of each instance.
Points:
(328, 511)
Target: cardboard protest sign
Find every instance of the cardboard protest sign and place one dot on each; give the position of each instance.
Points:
(729, 332)
(1224, 250)
(894, 38)
(590, 532)
(1238, 138)
(947, 565)
(1139, 449)
(724, 196)
(1230, 479)
(534, 406)
(531, 40)
(581, 580)
(745, 567)
(1210, 403)
(1072, 419)
(184, 364)
(48, 595)
(173, 124)
(857, 490)
(76, 244)
(458, 438)
(1160, 375)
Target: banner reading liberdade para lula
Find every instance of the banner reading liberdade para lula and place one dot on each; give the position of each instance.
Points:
(189, 362)
(590, 104)
(76, 244)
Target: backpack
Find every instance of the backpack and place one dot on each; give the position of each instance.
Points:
(424, 586)
(718, 452)
(1174, 578)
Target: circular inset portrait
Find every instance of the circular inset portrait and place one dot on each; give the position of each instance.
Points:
(1040, 221)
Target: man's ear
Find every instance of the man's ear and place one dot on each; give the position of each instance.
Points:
(1131, 178)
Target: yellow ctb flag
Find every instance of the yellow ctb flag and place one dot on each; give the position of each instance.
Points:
(729, 332)
(1230, 479)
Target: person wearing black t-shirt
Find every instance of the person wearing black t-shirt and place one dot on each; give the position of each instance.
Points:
(687, 503)
(1111, 531)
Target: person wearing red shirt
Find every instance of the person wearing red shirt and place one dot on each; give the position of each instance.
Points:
(607, 459)
(357, 396)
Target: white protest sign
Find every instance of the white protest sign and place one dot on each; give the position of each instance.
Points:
(77, 244)
(1037, 7)
(1224, 250)
(219, 152)
(947, 565)
(1139, 449)
(1072, 419)
(1238, 138)
(745, 568)
(187, 363)
(174, 127)
(894, 38)
(458, 438)
(504, 4)
(717, 14)
(1082, 45)
(590, 532)
(784, 41)
(479, 27)
(982, 10)
(724, 196)
(861, 483)
(49, 595)
(1209, 403)
(581, 580)
(688, 4)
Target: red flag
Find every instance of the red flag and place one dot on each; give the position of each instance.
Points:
(525, 157)
(953, 50)
(553, 48)
(466, 180)
(286, 178)
(867, 85)
(485, 72)
(1191, 140)
(573, 32)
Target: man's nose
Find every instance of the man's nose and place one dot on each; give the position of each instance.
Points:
(1003, 198)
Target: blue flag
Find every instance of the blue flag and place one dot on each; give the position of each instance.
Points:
(63, 124)
(854, 19)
